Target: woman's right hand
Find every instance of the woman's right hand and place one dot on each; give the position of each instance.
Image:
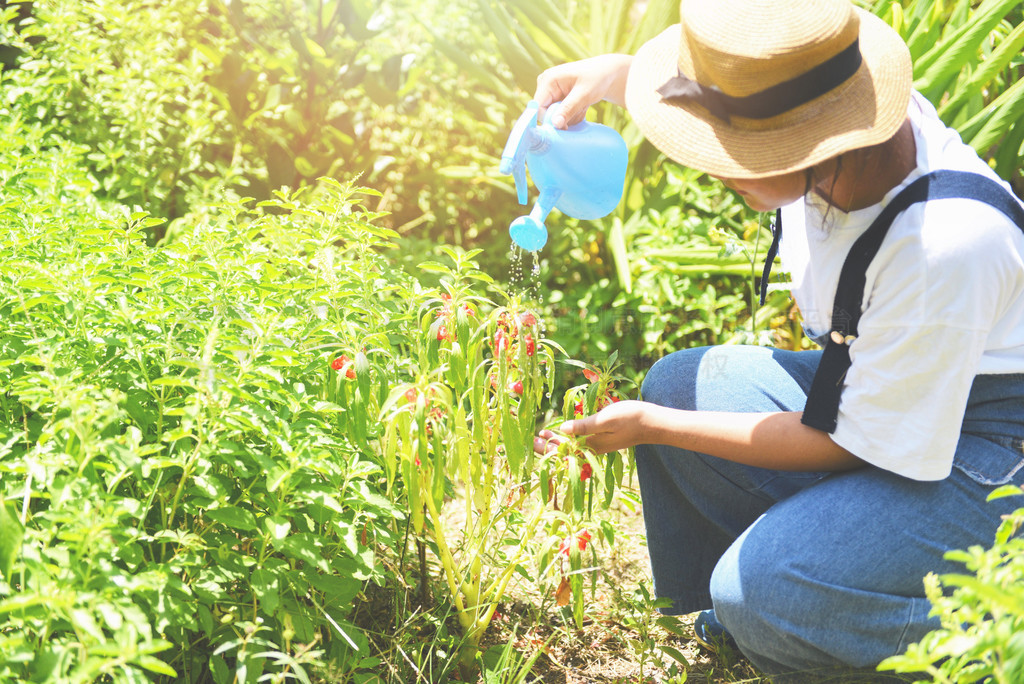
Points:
(577, 85)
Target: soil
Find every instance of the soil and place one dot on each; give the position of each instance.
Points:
(604, 650)
(620, 640)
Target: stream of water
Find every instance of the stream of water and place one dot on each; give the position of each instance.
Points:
(524, 282)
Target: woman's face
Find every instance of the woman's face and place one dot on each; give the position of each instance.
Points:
(768, 194)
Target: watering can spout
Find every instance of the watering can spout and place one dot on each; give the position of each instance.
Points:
(529, 232)
(580, 171)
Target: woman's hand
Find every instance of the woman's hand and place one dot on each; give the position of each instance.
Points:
(577, 85)
(617, 426)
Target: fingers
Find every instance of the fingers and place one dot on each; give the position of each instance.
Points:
(554, 85)
(578, 85)
(579, 426)
(546, 442)
(570, 113)
(571, 84)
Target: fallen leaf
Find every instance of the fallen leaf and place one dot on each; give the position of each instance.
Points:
(563, 593)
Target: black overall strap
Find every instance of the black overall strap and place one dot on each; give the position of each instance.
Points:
(773, 250)
(822, 406)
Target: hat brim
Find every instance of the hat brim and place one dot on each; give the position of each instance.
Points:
(865, 110)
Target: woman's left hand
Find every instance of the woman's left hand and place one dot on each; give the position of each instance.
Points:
(616, 426)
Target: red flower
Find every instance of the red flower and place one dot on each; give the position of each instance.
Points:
(435, 414)
(508, 324)
(579, 408)
(527, 319)
(517, 387)
(586, 472)
(446, 329)
(446, 308)
(340, 362)
(582, 539)
(530, 346)
(590, 375)
(500, 341)
(411, 395)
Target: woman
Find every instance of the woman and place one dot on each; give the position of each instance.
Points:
(801, 531)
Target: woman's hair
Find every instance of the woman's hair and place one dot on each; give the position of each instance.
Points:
(811, 176)
(856, 165)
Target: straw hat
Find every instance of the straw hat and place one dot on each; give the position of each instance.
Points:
(755, 88)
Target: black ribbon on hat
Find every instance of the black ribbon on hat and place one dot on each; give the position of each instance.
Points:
(772, 101)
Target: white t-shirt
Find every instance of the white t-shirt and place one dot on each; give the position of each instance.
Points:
(943, 302)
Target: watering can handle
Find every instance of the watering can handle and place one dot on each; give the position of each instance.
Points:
(513, 157)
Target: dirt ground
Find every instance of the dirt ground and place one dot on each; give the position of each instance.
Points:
(605, 650)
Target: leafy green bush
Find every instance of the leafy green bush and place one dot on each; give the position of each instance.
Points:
(180, 471)
(123, 79)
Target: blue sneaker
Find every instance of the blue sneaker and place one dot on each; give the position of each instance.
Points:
(710, 633)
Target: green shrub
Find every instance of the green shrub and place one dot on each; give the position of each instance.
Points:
(124, 80)
(183, 490)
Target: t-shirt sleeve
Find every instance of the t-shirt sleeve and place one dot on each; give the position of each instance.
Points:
(932, 297)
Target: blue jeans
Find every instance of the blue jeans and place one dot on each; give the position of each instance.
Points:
(813, 571)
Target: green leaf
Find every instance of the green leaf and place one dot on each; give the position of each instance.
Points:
(306, 548)
(1011, 602)
(219, 668)
(83, 620)
(617, 246)
(675, 655)
(265, 586)
(1008, 49)
(234, 517)
(315, 48)
(434, 267)
(672, 625)
(954, 51)
(1004, 491)
(1006, 111)
(12, 534)
(156, 665)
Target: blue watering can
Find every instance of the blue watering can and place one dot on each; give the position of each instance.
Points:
(580, 171)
